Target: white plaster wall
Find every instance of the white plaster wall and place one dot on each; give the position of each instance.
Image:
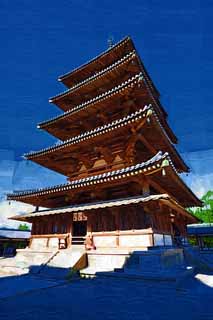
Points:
(38, 243)
(104, 241)
(27, 258)
(134, 240)
(53, 243)
(101, 262)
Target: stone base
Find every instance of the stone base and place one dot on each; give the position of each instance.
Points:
(44, 243)
(162, 261)
(175, 276)
(25, 260)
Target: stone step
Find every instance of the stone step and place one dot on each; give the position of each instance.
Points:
(175, 277)
(54, 273)
(149, 262)
(61, 265)
(66, 258)
(105, 262)
(26, 260)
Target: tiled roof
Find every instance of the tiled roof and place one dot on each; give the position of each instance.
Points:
(97, 75)
(94, 206)
(108, 94)
(117, 45)
(14, 234)
(141, 113)
(200, 229)
(144, 167)
(147, 111)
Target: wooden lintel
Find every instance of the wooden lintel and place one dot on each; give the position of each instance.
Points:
(156, 186)
(176, 208)
(147, 144)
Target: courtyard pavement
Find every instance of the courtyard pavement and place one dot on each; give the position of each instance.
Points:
(32, 297)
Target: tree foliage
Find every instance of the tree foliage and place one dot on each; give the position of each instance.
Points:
(205, 213)
(23, 227)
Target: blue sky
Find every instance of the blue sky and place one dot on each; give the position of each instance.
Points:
(41, 40)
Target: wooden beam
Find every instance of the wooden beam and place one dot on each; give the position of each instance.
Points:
(156, 186)
(147, 144)
(177, 208)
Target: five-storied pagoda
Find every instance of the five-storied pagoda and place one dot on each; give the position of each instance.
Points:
(117, 150)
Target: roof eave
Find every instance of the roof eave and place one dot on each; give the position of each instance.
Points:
(70, 73)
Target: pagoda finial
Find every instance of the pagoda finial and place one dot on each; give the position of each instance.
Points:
(110, 42)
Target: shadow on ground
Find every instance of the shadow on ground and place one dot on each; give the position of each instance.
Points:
(34, 296)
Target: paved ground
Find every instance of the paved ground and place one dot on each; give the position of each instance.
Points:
(30, 297)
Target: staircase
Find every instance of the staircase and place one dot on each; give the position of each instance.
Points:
(105, 260)
(154, 264)
(60, 266)
(51, 264)
(166, 265)
(78, 240)
(25, 261)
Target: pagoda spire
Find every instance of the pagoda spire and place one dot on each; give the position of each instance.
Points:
(110, 41)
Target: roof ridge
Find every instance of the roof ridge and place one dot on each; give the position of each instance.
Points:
(164, 195)
(96, 204)
(93, 77)
(94, 132)
(122, 41)
(98, 98)
(103, 177)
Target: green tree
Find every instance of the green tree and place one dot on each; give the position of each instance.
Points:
(23, 227)
(205, 213)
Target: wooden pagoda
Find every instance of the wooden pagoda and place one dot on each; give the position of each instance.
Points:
(117, 150)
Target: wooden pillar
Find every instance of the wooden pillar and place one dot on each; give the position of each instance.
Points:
(39, 226)
(116, 212)
(172, 219)
(89, 222)
(33, 228)
(151, 239)
(69, 219)
(145, 187)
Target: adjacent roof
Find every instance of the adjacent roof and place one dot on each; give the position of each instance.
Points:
(200, 229)
(14, 234)
(101, 205)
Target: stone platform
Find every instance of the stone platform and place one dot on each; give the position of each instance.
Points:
(24, 260)
(162, 264)
(150, 263)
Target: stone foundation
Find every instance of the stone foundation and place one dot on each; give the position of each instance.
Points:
(140, 262)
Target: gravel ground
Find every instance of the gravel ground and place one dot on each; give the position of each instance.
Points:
(30, 297)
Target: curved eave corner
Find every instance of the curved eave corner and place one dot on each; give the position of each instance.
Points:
(70, 73)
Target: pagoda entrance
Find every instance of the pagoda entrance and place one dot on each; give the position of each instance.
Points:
(79, 232)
